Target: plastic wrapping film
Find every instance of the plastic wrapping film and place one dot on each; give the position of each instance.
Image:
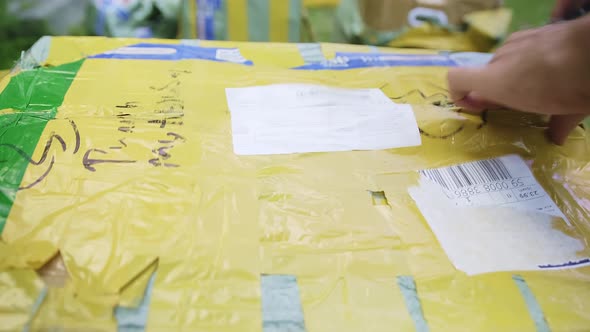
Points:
(118, 155)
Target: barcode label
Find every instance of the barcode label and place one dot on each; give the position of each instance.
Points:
(503, 181)
(468, 174)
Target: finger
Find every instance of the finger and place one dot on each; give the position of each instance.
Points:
(463, 81)
(474, 103)
(507, 50)
(561, 125)
(519, 35)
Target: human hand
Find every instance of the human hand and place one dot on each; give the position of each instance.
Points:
(544, 71)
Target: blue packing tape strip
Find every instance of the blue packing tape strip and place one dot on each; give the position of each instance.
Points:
(531, 302)
(281, 305)
(407, 286)
(169, 52)
(135, 319)
(346, 60)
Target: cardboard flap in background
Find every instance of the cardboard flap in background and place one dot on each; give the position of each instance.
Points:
(394, 14)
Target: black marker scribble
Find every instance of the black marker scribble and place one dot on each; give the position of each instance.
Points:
(90, 162)
(126, 129)
(129, 104)
(173, 83)
(157, 163)
(163, 152)
(48, 145)
(169, 99)
(77, 133)
(122, 141)
(417, 91)
(41, 178)
(176, 137)
(569, 263)
(444, 102)
(45, 153)
(458, 130)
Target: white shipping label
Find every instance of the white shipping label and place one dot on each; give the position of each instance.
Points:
(492, 215)
(506, 181)
(298, 118)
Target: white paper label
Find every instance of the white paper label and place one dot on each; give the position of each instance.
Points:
(506, 181)
(297, 118)
(492, 215)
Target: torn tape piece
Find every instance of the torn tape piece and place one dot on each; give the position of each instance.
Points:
(311, 52)
(134, 319)
(531, 302)
(471, 59)
(407, 286)
(281, 304)
(146, 51)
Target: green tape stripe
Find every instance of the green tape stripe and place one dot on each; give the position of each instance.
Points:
(311, 52)
(35, 96)
(407, 286)
(531, 302)
(281, 304)
(259, 20)
(295, 20)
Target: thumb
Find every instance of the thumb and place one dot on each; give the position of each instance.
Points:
(561, 125)
(474, 103)
(464, 81)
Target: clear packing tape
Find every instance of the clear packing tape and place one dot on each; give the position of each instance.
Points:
(121, 188)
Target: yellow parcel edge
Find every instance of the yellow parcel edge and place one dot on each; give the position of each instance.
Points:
(216, 221)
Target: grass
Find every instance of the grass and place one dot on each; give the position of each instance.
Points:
(529, 13)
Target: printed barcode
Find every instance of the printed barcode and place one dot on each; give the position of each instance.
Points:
(468, 174)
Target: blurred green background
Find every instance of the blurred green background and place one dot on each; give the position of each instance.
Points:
(17, 35)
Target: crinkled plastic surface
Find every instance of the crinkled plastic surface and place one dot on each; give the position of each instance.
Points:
(20, 294)
(126, 166)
